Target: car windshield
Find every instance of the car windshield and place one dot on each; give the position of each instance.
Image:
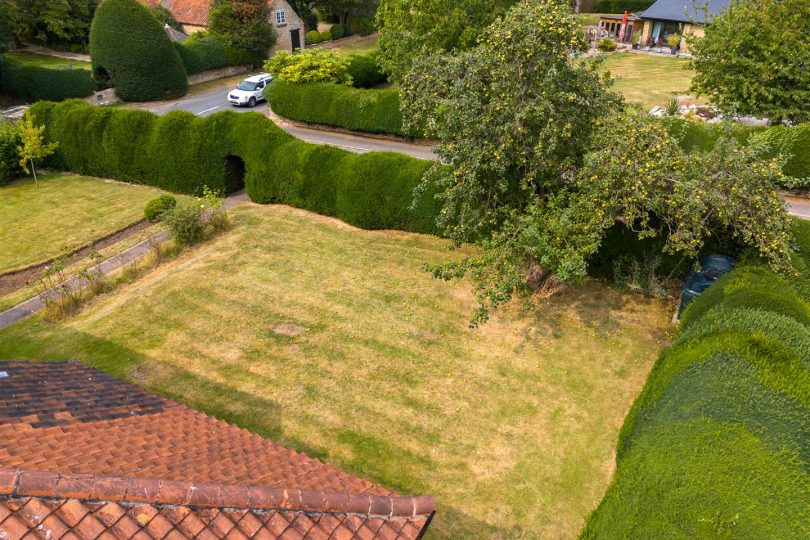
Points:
(247, 85)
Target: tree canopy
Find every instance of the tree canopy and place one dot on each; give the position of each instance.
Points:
(243, 25)
(754, 59)
(51, 22)
(544, 158)
(409, 28)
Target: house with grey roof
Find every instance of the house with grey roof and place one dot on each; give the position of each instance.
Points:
(683, 17)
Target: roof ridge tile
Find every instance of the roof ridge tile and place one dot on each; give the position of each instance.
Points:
(55, 485)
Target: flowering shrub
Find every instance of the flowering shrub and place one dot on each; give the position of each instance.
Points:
(190, 222)
(606, 44)
(309, 65)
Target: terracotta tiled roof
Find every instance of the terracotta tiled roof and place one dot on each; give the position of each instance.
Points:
(82, 452)
(193, 12)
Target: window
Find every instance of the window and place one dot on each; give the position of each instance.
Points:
(281, 17)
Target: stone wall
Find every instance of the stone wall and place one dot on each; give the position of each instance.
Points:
(214, 74)
(292, 22)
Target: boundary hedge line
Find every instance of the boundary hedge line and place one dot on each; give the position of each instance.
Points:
(717, 445)
(181, 152)
(789, 140)
(34, 83)
(619, 6)
(201, 54)
(370, 111)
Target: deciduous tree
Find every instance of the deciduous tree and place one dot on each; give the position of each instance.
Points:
(33, 145)
(544, 158)
(409, 28)
(754, 59)
(243, 24)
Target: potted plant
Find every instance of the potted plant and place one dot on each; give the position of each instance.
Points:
(674, 40)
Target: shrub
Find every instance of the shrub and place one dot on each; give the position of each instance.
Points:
(362, 25)
(9, 154)
(35, 83)
(183, 153)
(309, 65)
(372, 111)
(337, 31)
(185, 223)
(606, 45)
(326, 35)
(365, 71)
(201, 54)
(157, 207)
(313, 37)
(717, 443)
(129, 47)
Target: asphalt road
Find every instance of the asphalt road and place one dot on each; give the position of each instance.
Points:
(215, 101)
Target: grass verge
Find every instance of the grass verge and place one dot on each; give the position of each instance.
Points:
(332, 340)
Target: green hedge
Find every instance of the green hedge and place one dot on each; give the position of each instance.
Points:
(717, 445)
(794, 141)
(371, 111)
(35, 83)
(130, 49)
(619, 6)
(201, 54)
(10, 140)
(181, 152)
(365, 71)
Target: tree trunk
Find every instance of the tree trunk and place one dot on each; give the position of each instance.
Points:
(34, 170)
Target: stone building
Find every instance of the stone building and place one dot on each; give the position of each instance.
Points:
(193, 17)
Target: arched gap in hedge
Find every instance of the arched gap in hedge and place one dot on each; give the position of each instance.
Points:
(234, 173)
(102, 75)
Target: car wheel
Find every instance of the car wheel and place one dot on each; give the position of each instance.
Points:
(252, 102)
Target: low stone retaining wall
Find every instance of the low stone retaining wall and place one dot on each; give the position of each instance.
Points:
(339, 42)
(214, 74)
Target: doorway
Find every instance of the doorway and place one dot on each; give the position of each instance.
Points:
(295, 39)
(234, 173)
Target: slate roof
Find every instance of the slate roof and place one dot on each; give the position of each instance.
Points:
(82, 454)
(684, 10)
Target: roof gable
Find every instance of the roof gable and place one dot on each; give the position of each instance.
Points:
(685, 10)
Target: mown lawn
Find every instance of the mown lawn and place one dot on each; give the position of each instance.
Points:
(332, 340)
(366, 44)
(64, 213)
(47, 61)
(649, 79)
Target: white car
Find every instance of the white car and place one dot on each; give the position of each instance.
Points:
(249, 91)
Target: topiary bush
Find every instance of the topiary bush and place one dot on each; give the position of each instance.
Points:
(129, 47)
(365, 71)
(717, 445)
(35, 83)
(184, 153)
(201, 54)
(157, 207)
(371, 111)
(313, 37)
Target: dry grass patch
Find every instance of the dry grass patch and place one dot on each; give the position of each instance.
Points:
(333, 341)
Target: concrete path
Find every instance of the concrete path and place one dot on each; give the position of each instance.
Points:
(59, 54)
(798, 206)
(25, 309)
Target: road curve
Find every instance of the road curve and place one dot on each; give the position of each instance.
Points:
(214, 101)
